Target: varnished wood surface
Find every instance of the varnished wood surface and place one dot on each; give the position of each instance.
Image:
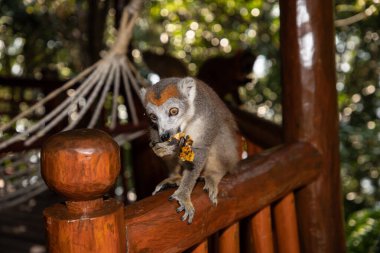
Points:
(154, 226)
(229, 241)
(262, 132)
(100, 231)
(285, 218)
(310, 115)
(201, 247)
(82, 165)
(261, 231)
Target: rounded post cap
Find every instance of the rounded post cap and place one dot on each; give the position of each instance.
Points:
(80, 164)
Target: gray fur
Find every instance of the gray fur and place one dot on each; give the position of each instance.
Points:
(204, 117)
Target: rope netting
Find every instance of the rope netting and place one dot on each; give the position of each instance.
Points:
(86, 94)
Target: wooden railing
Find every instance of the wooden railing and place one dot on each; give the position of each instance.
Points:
(285, 199)
(83, 164)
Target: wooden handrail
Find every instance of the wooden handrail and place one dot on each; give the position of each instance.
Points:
(153, 226)
(263, 132)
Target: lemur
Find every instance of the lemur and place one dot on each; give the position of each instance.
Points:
(188, 105)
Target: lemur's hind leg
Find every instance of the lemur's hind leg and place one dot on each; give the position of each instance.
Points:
(212, 175)
(172, 181)
(174, 178)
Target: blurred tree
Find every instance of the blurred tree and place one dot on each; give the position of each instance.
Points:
(358, 83)
(43, 37)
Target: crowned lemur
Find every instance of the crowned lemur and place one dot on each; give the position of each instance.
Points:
(188, 105)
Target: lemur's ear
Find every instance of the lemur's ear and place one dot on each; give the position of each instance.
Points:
(142, 94)
(187, 86)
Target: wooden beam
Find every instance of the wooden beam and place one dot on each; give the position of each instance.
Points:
(153, 225)
(310, 115)
(262, 132)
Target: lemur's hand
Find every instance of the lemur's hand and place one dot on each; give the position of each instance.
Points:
(162, 149)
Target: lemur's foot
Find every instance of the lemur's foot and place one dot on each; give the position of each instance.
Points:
(212, 188)
(166, 183)
(184, 205)
(162, 149)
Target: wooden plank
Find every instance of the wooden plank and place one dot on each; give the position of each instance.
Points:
(286, 225)
(154, 226)
(310, 115)
(229, 239)
(261, 231)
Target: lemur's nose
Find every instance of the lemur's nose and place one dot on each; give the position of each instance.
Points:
(165, 136)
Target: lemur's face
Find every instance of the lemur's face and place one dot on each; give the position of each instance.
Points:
(170, 109)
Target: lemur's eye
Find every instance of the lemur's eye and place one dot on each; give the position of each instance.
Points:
(173, 111)
(153, 117)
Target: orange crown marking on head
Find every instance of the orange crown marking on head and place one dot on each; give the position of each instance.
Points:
(169, 92)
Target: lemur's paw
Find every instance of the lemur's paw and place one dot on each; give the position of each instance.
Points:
(184, 205)
(167, 183)
(212, 190)
(162, 149)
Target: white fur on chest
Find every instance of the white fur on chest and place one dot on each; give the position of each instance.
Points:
(195, 129)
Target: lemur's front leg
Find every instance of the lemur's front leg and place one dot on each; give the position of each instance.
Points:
(174, 178)
(189, 179)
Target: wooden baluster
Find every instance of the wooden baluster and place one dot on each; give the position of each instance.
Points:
(229, 239)
(286, 225)
(261, 227)
(201, 248)
(82, 165)
(261, 222)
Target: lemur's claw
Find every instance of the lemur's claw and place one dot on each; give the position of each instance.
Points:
(180, 209)
(184, 205)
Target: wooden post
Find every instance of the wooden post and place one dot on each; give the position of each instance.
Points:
(311, 115)
(82, 165)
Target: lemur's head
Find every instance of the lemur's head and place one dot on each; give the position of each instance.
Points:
(169, 105)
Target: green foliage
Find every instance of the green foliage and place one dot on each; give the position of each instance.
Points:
(358, 83)
(363, 231)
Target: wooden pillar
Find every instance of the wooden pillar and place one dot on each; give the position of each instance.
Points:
(82, 165)
(310, 115)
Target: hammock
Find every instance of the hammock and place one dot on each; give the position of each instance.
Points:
(20, 177)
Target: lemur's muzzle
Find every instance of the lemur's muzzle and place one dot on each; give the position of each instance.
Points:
(165, 136)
